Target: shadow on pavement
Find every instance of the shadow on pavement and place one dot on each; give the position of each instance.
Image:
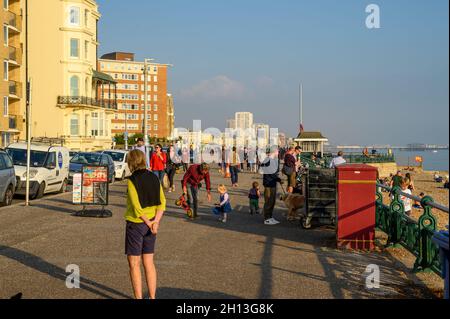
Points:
(344, 271)
(177, 293)
(54, 271)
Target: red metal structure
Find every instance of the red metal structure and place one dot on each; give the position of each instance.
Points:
(356, 206)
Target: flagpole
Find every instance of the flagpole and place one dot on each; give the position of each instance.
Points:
(301, 103)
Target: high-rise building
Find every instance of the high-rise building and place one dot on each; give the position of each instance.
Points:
(62, 52)
(231, 124)
(244, 120)
(129, 75)
(11, 88)
(262, 133)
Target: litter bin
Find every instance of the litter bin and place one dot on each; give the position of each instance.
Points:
(356, 189)
(441, 239)
(321, 197)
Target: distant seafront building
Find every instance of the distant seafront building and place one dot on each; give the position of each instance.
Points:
(262, 133)
(65, 84)
(231, 124)
(11, 88)
(311, 142)
(128, 73)
(244, 120)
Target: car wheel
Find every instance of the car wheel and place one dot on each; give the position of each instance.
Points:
(64, 186)
(9, 194)
(40, 192)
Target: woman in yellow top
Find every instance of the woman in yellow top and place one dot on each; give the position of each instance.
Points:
(145, 207)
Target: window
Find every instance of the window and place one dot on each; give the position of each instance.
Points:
(5, 70)
(51, 160)
(94, 124)
(74, 125)
(5, 106)
(101, 124)
(155, 108)
(74, 86)
(155, 88)
(5, 35)
(86, 87)
(155, 78)
(5, 4)
(156, 127)
(8, 162)
(155, 98)
(155, 117)
(74, 16)
(86, 18)
(86, 50)
(74, 48)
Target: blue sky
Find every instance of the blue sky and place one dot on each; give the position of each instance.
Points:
(387, 85)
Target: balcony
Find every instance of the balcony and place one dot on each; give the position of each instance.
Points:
(15, 55)
(83, 100)
(15, 89)
(14, 21)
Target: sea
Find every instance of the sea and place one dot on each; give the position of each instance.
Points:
(432, 160)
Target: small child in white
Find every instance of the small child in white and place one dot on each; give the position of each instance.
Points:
(224, 207)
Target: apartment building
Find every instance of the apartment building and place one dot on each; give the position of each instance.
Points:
(11, 86)
(243, 120)
(129, 74)
(62, 54)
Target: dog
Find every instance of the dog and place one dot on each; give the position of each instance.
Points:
(293, 202)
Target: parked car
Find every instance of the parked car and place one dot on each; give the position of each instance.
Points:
(49, 168)
(7, 179)
(72, 154)
(120, 162)
(83, 158)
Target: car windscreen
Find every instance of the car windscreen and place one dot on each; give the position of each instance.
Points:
(86, 158)
(19, 157)
(116, 156)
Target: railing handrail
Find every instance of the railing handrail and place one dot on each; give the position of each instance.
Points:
(415, 198)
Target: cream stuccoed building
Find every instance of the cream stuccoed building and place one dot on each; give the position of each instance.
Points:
(69, 101)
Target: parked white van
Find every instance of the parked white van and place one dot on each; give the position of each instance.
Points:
(49, 168)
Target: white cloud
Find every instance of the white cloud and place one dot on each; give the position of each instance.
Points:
(219, 87)
(264, 81)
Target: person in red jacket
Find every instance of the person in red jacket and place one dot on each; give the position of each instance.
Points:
(190, 183)
(158, 162)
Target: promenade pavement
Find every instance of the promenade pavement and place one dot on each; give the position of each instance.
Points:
(202, 259)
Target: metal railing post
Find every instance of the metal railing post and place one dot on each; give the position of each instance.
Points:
(427, 225)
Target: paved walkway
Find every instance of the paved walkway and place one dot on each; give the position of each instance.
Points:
(202, 259)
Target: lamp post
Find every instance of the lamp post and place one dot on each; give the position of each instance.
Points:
(146, 139)
(126, 130)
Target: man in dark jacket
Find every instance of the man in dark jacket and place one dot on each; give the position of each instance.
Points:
(270, 167)
(191, 180)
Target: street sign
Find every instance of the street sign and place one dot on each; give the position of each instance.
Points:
(91, 188)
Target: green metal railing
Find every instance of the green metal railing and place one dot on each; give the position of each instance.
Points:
(362, 159)
(415, 236)
(306, 160)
